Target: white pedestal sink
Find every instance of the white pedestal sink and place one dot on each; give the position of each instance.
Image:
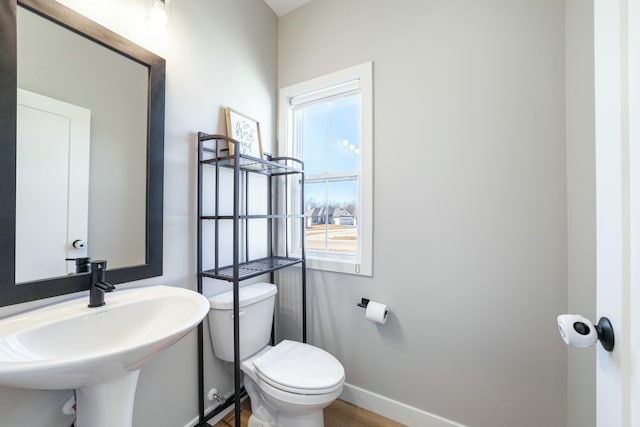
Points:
(96, 351)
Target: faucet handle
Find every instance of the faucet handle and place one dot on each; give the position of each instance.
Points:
(107, 287)
(99, 275)
(98, 284)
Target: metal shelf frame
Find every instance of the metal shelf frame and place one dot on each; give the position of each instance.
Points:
(213, 152)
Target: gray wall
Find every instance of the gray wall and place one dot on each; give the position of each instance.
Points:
(470, 146)
(475, 281)
(219, 53)
(581, 384)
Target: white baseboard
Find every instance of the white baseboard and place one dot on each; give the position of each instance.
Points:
(392, 409)
(397, 411)
(212, 421)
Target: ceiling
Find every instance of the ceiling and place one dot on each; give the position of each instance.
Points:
(282, 7)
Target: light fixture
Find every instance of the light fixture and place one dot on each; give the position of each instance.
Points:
(352, 147)
(156, 20)
(345, 142)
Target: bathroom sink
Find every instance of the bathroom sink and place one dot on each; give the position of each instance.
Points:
(68, 345)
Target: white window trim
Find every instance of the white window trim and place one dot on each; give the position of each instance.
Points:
(363, 72)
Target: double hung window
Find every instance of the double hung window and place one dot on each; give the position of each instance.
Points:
(327, 122)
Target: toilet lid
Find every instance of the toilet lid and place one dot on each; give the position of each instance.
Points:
(300, 368)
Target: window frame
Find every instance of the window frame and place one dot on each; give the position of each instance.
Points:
(363, 263)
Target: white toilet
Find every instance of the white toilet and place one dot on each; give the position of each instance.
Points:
(290, 384)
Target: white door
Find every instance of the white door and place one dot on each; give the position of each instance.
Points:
(617, 111)
(52, 185)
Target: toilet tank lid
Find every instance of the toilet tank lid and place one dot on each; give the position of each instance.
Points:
(249, 294)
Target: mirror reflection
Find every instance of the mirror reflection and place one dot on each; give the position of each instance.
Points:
(82, 121)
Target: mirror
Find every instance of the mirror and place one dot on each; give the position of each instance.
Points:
(72, 115)
(111, 93)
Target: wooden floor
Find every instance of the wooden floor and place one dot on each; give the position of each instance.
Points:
(338, 414)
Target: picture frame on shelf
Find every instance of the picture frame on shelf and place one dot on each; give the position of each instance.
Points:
(246, 131)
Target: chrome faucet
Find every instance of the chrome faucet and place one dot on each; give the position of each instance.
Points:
(99, 284)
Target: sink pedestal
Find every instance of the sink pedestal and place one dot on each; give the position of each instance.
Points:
(107, 404)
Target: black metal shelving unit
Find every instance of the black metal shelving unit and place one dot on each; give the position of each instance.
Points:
(213, 152)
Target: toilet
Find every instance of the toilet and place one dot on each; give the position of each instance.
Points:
(288, 384)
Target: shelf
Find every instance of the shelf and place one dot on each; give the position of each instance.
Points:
(247, 270)
(272, 166)
(287, 216)
(214, 153)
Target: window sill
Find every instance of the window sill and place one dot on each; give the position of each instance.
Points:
(338, 266)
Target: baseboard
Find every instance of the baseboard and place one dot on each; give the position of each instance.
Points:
(213, 420)
(392, 409)
(397, 411)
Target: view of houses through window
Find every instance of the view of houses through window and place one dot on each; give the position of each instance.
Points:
(329, 135)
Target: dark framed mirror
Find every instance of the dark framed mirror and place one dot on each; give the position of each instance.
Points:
(113, 193)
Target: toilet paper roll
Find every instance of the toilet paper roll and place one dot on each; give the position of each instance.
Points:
(377, 312)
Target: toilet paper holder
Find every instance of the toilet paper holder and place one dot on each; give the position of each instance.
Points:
(363, 303)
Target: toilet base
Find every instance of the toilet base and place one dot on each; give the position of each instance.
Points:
(314, 419)
(256, 422)
(268, 412)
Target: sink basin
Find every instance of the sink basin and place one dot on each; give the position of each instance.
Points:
(97, 351)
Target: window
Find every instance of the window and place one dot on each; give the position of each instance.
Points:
(327, 122)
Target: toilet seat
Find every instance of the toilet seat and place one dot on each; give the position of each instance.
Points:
(299, 368)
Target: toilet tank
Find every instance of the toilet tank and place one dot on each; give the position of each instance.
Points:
(256, 318)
